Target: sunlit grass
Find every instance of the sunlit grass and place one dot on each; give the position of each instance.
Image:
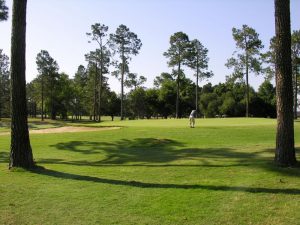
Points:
(154, 172)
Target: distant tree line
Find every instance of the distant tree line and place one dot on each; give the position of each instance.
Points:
(55, 95)
(75, 98)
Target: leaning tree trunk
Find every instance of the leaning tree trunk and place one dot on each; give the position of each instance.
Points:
(20, 149)
(285, 150)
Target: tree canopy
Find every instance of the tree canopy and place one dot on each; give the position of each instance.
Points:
(3, 11)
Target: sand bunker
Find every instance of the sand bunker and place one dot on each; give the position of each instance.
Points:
(68, 129)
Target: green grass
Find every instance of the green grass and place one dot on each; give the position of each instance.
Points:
(33, 124)
(154, 172)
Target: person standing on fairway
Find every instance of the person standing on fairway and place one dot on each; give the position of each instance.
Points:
(192, 118)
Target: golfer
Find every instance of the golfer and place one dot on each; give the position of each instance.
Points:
(192, 118)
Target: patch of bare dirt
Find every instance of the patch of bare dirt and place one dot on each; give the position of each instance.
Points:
(68, 129)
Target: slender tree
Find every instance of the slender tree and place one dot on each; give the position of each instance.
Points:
(99, 34)
(125, 43)
(247, 60)
(93, 69)
(20, 149)
(3, 11)
(3, 57)
(33, 97)
(285, 149)
(295, 47)
(178, 54)
(48, 73)
(80, 82)
(199, 62)
(4, 83)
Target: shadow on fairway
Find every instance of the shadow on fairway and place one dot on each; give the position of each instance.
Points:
(4, 157)
(99, 164)
(153, 152)
(69, 176)
(143, 151)
(43, 125)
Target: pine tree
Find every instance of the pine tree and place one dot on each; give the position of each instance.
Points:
(20, 149)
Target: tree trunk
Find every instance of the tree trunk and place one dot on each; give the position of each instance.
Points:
(42, 97)
(177, 92)
(35, 106)
(247, 85)
(122, 83)
(285, 150)
(20, 149)
(197, 81)
(53, 109)
(95, 94)
(100, 87)
(295, 92)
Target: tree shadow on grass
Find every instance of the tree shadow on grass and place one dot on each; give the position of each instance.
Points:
(138, 184)
(150, 150)
(157, 153)
(4, 157)
(153, 152)
(5, 124)
(270, 165)
(99, 164)
(36, 125)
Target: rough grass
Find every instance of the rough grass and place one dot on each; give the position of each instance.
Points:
(154, 172)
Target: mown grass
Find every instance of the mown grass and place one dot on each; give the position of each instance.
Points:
(33, 124)
(154, 172)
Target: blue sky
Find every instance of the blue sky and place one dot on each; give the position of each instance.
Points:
(60, 27)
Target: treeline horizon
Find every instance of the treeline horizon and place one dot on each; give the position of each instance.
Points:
(53, 94)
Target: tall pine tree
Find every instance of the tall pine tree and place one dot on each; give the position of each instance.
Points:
(285, 146)
(20, 149)
(125, 43)
(247, 60)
